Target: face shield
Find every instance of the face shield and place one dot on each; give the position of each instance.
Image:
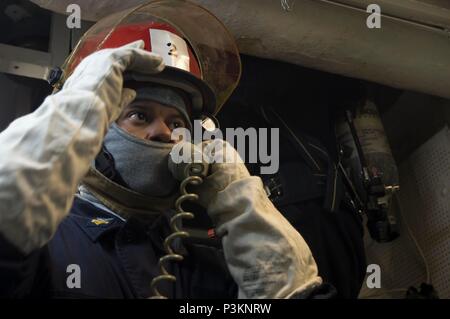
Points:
(201, 56)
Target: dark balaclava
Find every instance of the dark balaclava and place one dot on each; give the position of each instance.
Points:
(143, 164)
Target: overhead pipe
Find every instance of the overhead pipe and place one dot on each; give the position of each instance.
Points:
(410, 51)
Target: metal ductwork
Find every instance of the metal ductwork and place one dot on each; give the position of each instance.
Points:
(411, 50)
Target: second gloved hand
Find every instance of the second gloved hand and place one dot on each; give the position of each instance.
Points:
(266, 256)
(225, 167)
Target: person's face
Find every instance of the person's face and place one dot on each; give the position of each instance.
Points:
(150, 120)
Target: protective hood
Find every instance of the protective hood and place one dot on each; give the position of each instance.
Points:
(148, 186)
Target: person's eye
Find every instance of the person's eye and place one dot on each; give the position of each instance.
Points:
(138, 117)
(177, 124)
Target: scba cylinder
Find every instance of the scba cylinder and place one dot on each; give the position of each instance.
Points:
(375, 147)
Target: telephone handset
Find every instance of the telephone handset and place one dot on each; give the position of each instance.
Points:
(188, 173)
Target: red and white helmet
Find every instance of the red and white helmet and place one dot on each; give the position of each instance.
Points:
(200, 55)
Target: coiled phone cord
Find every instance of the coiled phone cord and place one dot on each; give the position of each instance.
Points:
(193, 173)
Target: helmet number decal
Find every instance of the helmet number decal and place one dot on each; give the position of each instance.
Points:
(171, 47)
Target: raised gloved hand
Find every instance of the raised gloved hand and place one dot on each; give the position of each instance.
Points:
(101, 73)
(266, 256)
(46, 153)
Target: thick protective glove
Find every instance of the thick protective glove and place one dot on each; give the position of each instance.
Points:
(266, 256)
(101, 74)
(45, 154)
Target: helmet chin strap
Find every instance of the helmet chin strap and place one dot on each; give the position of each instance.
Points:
(124, 201)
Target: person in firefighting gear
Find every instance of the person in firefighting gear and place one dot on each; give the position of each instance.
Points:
(85, 185)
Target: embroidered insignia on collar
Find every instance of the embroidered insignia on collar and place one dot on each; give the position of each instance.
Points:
(101, 221)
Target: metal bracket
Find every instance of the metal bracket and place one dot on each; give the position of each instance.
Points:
(33, 63)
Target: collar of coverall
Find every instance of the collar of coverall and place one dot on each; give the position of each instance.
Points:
(124, 201)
